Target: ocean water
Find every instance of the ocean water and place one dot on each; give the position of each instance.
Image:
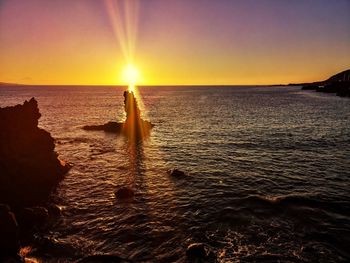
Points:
(268, 174)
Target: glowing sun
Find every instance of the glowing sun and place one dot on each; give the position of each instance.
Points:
(130, 76)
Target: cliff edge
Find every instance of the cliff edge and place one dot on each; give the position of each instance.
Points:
(29, 166)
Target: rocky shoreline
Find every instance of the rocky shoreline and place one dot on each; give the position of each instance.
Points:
(29, 171)
(341, 89)
(338, 84)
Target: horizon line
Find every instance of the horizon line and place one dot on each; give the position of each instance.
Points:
(148, 85)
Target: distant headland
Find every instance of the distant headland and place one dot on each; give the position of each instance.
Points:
(338, 84)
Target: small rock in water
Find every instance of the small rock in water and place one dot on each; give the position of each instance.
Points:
(196, 250)
(54, 210)
(124, 193)
(33, 216)
(176, 173)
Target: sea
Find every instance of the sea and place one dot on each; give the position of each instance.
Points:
(267, 174)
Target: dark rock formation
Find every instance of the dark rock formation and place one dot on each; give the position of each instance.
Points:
(196, 250)
(29, 166)
(176, 173)
(112, 126)
(124, 193)
(9, 233)
(310, 87)
(134, 126)
(338, 84)
(30, 217)
(339, 77)
(54, 210)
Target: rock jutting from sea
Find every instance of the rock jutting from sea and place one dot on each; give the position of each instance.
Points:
(29, 166)
(134, 127)
(29, 171)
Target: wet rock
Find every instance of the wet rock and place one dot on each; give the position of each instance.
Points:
(196, 250)
(13, 259)
(124, 193)
(9, 233)
(134, 127)
(32, 217)
(310, 87)
(30, 168)
(113, 127)
(53, 247)
(54, 210)
(176, 173)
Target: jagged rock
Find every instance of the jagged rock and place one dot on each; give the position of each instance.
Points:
(30, 217)
(124, 193)
(196, 250)
(134, 127)
(29, 166)
(176, 173)
(54, 210)
(9, 233)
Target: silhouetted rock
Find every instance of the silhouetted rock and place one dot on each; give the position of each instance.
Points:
(54, 210)
(114, 127)
(196, 250)
(124, 193)
(29, 166)
(344, 90)
(310, 87)
(338, 84)
(30, 217)
(9, 233)
(176, 173)
(134, 127)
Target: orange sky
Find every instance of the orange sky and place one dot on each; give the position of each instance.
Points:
(173, 42)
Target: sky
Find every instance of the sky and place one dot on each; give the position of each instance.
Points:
(231, 42)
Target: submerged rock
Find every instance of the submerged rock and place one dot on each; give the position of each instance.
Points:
(176, 173)
(29, 166)
(124, 193)
(196, 250)
(54, 210)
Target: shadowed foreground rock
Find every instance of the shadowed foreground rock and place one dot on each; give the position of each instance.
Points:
(29, 166)
(124, 193)
(29, 171)
(134, 127)
(196, 250)
(9, 233)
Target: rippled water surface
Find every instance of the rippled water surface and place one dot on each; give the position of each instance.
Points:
(268, 174)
